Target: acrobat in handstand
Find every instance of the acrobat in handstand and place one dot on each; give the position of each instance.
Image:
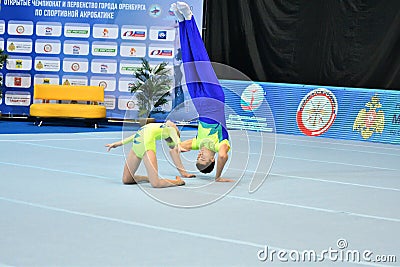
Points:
(207, 96)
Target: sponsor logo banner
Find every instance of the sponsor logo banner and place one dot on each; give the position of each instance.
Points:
(104, 66)
(133, 50)
(128, 67)
(370, 119)
(20, 28)
(133, 32)
(128, 103)
(393, 124)
(2, 26)
(74, 80)
(108, 83)
(252, 97)
(246, 107)
(104, 45)
(158, 51)
(77, 30)
(77, 48)
(77, 65)
(162, 34)
(18, 80)
(330, 112)
(105, 31)
(317, 112)
(46, 79)
(48, 47)
(104, 49)
(19, 63)
(125, 83)
(51, 29)
(16, 98)
(15, 45)
(47, 64)
(109, 101)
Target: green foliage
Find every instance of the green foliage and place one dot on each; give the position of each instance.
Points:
(151, 87)
(3, 61)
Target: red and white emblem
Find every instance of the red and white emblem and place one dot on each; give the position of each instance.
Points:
(317, 112)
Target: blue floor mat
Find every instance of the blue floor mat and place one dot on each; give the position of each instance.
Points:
(28, 127)
(14, 126)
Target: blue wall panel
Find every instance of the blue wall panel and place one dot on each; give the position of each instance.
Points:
(335, 112)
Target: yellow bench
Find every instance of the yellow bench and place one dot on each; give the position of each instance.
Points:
(71, 94)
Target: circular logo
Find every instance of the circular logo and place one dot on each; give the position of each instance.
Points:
(103, 84)
(252, 97)
(155, 11)
(20, 29)
(130, 104)
(47, 48)
(317, 112)
(75, 66)
(162, 35)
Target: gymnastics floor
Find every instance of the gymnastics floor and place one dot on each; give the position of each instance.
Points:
(62, 203)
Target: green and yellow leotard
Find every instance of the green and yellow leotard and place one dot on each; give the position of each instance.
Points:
(209, 136)
(145, 138)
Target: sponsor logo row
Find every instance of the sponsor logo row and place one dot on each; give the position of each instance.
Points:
(83, 30)
(127, 103)
(110, 84)
(17, 98)
(83, 48)
(317, 112)
(73, 65)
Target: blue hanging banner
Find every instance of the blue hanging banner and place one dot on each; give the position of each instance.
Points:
(85, 43)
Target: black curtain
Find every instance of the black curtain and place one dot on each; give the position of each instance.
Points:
(352, 43)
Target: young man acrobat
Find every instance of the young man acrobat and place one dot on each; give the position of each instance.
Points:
(207, 96)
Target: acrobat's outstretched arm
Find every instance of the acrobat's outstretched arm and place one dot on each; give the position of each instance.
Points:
(221, 161)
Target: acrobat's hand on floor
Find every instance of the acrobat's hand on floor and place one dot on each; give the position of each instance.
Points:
(224, 180)
(184, 8)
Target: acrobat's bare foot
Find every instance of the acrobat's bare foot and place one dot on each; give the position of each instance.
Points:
(187, 175)
(184, 8)
(140, 178)
(179, 181)
(177, 13)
